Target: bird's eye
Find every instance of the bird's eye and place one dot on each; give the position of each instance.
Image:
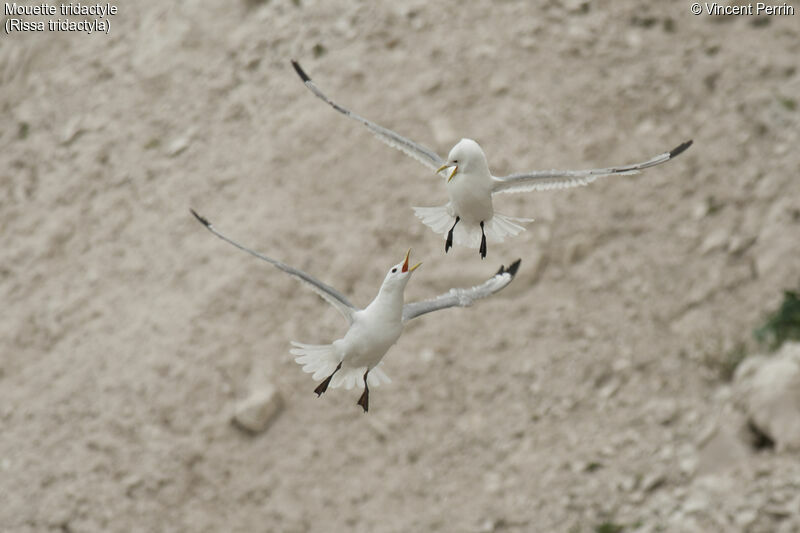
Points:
(455, 160)
(394, 270)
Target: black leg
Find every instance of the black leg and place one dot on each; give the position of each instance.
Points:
(364, 400)
(449, 242)
(322, 387)
(483, 242)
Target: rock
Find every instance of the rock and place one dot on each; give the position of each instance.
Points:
(72, 130)
(769, 388)
(490, 524)
(744, 518)
(717, 239)
(628, 484)
(653, 480)
(687, 460)
(738, 244)
(255, 413)
(723, 448)
(663, 410)
(179, 144)
(427, 355)
(499, 85)
(575, 6)
(700, 210)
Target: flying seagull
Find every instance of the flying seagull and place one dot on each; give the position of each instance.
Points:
(356, 358)
(469, 219)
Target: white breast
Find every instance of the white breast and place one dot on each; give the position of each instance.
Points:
(370, 337)
(471, 197)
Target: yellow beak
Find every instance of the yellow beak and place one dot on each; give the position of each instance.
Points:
(446, 165)
(405, 263)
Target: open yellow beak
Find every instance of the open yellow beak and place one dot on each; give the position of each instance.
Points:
(446, 165)
(405, 263)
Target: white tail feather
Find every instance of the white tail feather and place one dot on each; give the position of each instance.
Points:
(440, 220)
(322, 360)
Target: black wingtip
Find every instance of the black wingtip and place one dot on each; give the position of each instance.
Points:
(510, 270)
(300, 71)
(202, 220)
(680, 149)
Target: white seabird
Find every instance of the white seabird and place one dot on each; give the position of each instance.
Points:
(356, 358)
(469, 219)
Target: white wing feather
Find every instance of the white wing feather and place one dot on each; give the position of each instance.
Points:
(462, 297)
(328, 293)
(422, 154)
(545, 180)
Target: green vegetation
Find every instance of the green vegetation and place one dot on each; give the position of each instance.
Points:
(788, 103)
(778, 327)
(152, 144)
(781, 325)
(609, 527)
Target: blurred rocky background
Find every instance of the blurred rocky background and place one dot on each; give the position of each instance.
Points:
(617, 385)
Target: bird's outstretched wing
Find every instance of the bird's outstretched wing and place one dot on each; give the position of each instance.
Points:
(329, 294)
(422, 154)
(545, 180)
(462, 297)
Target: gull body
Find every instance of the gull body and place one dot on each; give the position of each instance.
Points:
(471, 194)
(469, 219)
(377, 327)
(355, 360)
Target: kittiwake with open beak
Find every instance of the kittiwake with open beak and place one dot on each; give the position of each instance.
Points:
(356, 358)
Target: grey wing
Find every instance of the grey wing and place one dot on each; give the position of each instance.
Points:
(328, 293)
(462, 297)
(422, 154)
(545, 180)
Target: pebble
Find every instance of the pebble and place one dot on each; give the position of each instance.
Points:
(255, 413)
(179, 144)
(72, 129)
(426, 355)
(716, 240)
(653, 480)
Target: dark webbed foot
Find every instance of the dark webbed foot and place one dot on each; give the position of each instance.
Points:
(483, 242)
(322, 387)
(449, 242)
(364, 400)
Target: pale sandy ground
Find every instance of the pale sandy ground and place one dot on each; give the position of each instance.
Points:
(579, 396)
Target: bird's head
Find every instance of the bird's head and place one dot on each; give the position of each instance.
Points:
(466, 155)
(400, 273)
